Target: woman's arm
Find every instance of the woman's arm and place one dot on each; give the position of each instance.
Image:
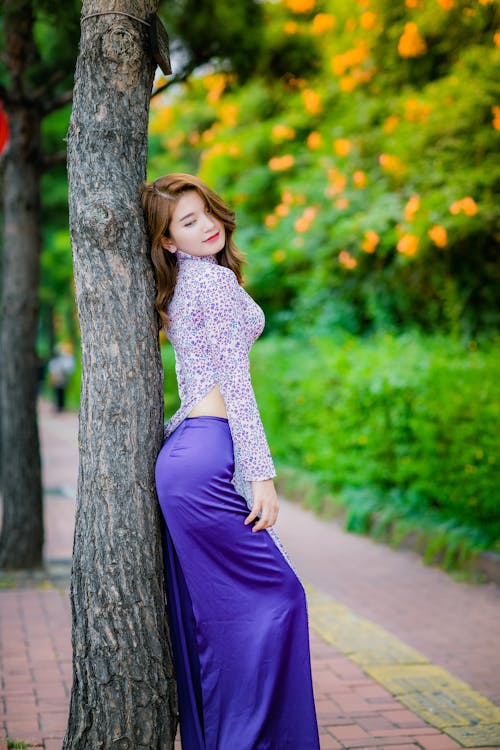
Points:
(220, 300)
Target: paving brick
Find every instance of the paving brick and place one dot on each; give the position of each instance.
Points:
(354, 711)
(373, 723)
(404, 718)
(439, 742)
(374, 742)
(53, 744)
(327, 742)
(55, 721)
(348, 732)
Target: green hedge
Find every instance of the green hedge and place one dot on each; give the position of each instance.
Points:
(407, 421)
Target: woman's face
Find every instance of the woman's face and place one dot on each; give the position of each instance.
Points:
(193, 228)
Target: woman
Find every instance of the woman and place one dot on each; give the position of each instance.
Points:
(237, 611)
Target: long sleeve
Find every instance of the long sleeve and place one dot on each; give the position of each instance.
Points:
(227, 338)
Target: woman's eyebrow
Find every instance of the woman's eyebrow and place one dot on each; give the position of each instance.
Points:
(187, 216)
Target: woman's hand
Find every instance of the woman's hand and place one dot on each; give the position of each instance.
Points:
(265, 505)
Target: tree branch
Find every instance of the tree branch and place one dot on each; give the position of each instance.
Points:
(57, 102)
(53, 160)
(44, 90)
(179, 78)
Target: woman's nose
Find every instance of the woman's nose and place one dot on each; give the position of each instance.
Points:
(209, 221)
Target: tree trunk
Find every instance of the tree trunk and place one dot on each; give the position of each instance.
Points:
(21, 539)
(123, 689)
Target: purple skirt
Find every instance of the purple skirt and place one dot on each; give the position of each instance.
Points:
(237, 611)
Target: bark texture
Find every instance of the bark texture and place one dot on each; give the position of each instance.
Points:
(21, 538)
(123, 693)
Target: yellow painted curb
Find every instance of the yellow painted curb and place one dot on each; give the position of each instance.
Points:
(429, 691)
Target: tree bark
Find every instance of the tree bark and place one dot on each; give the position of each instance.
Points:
(123, 694)
(21, 538)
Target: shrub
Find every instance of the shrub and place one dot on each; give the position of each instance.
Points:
(406, 421)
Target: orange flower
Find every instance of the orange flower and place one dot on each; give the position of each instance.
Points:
(279, 256)
(411, 44)
(342, 146)
(287, 197)
(352, 57)
(392, 164)
(446, 4)
(323, 22)
(229, 114)
(271, 221)
(496, 38)
(312, 101)
(314, 140)
(468, 205)
(310, 213)
(347, 83)
(215, 83)
(341, 204)
(370, 242)
(281, 163)
(282, 133)
(412, 207)
(368, 20)
(438, 235)
(208, 135)
(346, 260)
(162, 119)
(496, 117)
(303, 223)
(290, 27)
(408, 245)
(282, 210)
(390, 124)
(338, 182)
(359, 178)
(175, 141)
(300, 6)
(413, 3)
(416, 111)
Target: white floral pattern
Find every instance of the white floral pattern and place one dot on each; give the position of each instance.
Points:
(213, 324)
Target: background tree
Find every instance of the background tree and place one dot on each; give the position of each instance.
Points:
(33, 84)
(123, 689)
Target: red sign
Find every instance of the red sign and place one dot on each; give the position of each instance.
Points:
(4, 130)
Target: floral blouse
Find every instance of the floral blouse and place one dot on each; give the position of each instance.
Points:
(213, 324)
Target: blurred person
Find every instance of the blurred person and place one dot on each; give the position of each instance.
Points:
(236, 608)
(61, 367)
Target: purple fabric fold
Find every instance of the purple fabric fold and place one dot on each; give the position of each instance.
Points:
(236, 608)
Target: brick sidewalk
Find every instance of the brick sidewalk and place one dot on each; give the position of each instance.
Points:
(354, 710)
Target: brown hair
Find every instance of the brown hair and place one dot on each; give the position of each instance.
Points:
(158, 200)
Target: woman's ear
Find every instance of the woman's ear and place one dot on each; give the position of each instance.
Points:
(167, 244)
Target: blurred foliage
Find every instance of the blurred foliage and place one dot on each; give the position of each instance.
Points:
(222, 29)
(362, 158)
(399, 426)
(56, 32)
